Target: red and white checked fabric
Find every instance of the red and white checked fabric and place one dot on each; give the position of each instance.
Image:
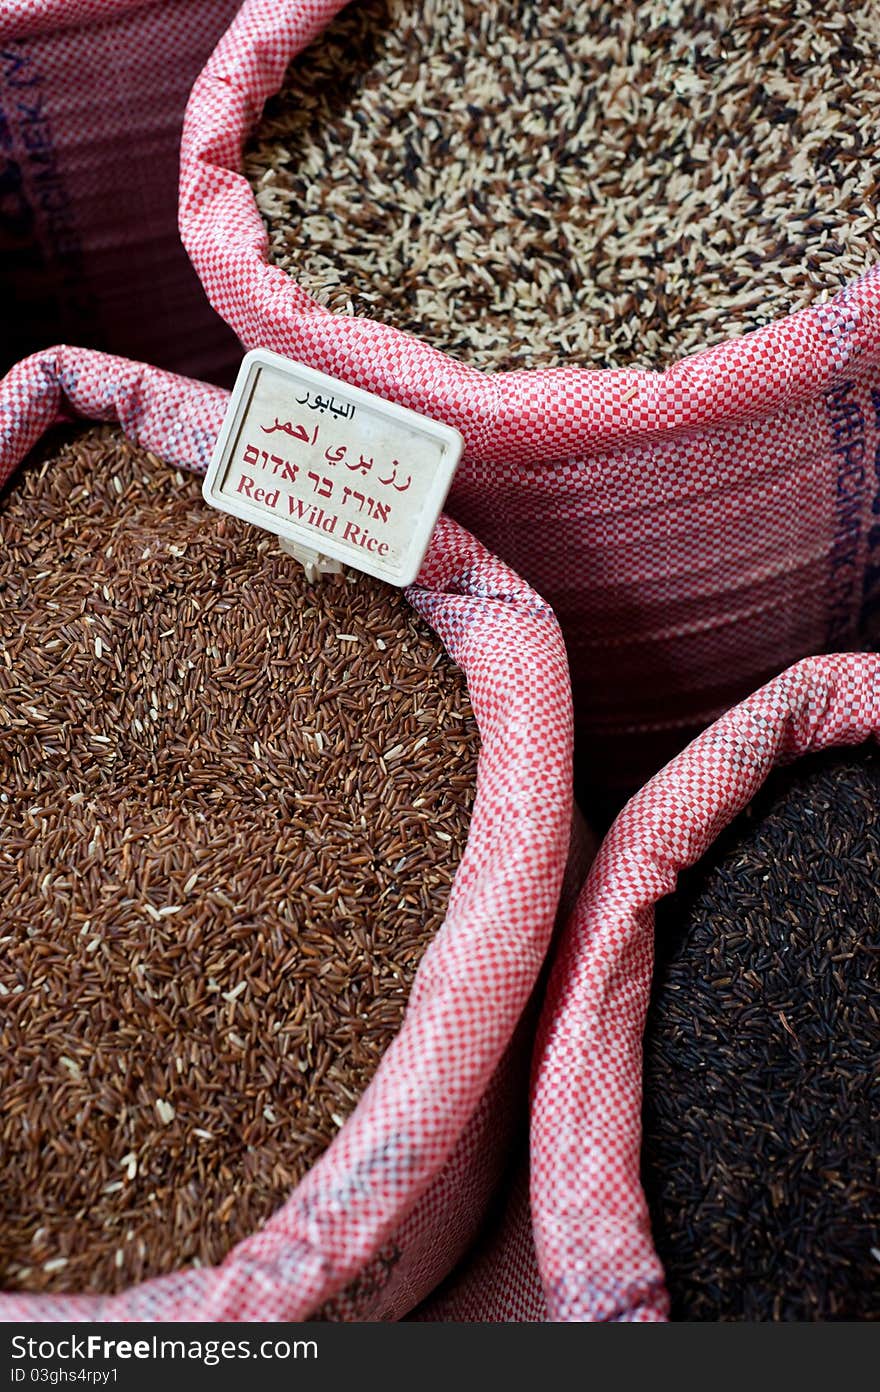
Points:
(399, 1194)
(591, 1220)
(175, 417)
(695, 530)
(27, 17)
(92, 95)
(500, 1283)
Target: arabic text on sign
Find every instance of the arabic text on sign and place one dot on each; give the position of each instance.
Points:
(346, 410)
(334, 455)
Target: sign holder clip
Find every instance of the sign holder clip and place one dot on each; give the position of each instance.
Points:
(313, 562)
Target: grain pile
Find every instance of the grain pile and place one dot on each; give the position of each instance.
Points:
(762, 1094)
(233, 805)
(603, 185)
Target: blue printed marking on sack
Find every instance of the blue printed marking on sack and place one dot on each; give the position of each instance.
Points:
(871, 582)
(848, 449)
(42, 198)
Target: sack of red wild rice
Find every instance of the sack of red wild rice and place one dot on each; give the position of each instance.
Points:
(705, 1101)
(92, 94)
(470, 207)
(280, 863)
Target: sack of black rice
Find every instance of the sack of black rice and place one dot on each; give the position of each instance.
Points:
(705, 1104)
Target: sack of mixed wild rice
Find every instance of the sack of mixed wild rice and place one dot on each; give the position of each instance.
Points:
(471, 208)
(705, 1100)
(280, 863)
(92, 94)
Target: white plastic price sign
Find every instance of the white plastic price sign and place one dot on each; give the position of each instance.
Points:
(333, 470)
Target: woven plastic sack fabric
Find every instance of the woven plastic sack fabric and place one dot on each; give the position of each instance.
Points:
(92, 95)
(500, 1282)
(696, 530)
(399, 1194)
(592, 1227)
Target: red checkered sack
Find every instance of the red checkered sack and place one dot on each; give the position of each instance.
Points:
(696, 530)
(92, 94)
(592, 1228)
(399, 1194)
